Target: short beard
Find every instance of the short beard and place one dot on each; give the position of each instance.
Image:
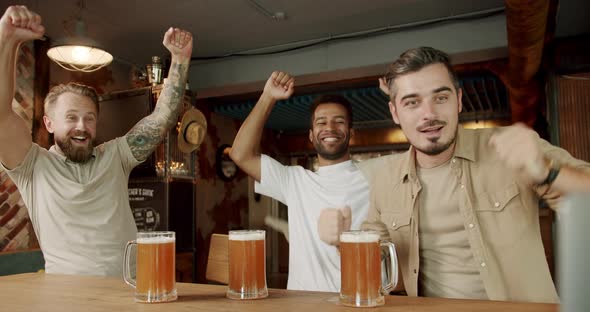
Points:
(339, 153)
(75, 154)
(438, 148)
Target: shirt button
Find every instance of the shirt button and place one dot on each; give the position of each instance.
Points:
(415, 271)
(496, 204)
(393, 224)
(483, 264)
(454, 160)
(462, 186)
(471, 225)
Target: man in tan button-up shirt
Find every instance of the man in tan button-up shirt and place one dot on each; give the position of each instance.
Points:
(496, 179)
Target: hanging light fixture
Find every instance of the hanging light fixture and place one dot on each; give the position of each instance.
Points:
(78, 52)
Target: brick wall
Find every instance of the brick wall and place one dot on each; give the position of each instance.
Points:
(16, 232)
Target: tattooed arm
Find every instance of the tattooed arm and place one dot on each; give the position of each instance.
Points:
(145, 136)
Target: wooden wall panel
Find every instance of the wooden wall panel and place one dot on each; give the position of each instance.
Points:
(573, 106)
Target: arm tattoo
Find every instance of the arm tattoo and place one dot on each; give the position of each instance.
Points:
(147, 134)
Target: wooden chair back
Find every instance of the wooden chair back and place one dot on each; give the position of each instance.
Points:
(218, 260)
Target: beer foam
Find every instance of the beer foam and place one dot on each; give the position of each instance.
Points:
(359, 237)
(246, 236)
(155, 240)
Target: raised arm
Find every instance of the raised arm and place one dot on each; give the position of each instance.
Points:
(245, 151)
(521, 149)
(145, 136)
(17, 25)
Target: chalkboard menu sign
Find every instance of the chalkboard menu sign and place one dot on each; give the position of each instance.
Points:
(148, 203)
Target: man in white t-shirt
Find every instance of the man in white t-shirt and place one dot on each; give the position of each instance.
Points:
(337, 192)
(76, 193)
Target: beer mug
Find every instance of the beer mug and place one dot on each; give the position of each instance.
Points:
(247, 265)
(155, 279)
(364, 281)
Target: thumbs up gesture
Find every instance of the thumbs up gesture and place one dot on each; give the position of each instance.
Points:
(332, 222)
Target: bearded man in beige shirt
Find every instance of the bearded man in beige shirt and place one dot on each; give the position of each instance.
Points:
(461, 205)
(75, 192)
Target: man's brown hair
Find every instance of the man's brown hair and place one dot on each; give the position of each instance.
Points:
(414, 60)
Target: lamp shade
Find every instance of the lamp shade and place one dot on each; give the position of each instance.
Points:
(79, 53)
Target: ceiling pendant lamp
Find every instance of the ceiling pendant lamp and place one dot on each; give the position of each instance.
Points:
(78, 52)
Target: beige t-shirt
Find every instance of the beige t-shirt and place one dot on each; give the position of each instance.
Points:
(447, 266)
(80, 212)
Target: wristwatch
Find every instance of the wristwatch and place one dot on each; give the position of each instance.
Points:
(552, 175)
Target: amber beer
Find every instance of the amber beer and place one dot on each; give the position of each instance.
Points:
(247, 265)
(360, 260)
(155, 279)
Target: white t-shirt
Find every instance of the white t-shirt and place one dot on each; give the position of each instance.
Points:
(80, 212)
(313, 264)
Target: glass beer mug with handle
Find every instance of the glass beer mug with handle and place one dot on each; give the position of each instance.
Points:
(364, 280)
(155, 279)
(247, 265)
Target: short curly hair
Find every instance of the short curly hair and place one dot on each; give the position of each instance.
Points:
(331, 98)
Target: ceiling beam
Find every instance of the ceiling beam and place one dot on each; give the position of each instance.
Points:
(526, 23)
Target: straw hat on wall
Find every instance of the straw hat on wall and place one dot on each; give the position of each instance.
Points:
(193, 129)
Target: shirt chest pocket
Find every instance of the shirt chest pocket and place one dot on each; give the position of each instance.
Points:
(501, 215)
(395, 221)
(398, 225)
(497, 201)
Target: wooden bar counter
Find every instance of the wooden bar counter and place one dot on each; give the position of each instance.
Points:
(59, 293)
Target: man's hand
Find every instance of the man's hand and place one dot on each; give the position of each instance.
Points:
(518, 147)
(180, 43)
(279, 86)
(18, 24)
(332, 222)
